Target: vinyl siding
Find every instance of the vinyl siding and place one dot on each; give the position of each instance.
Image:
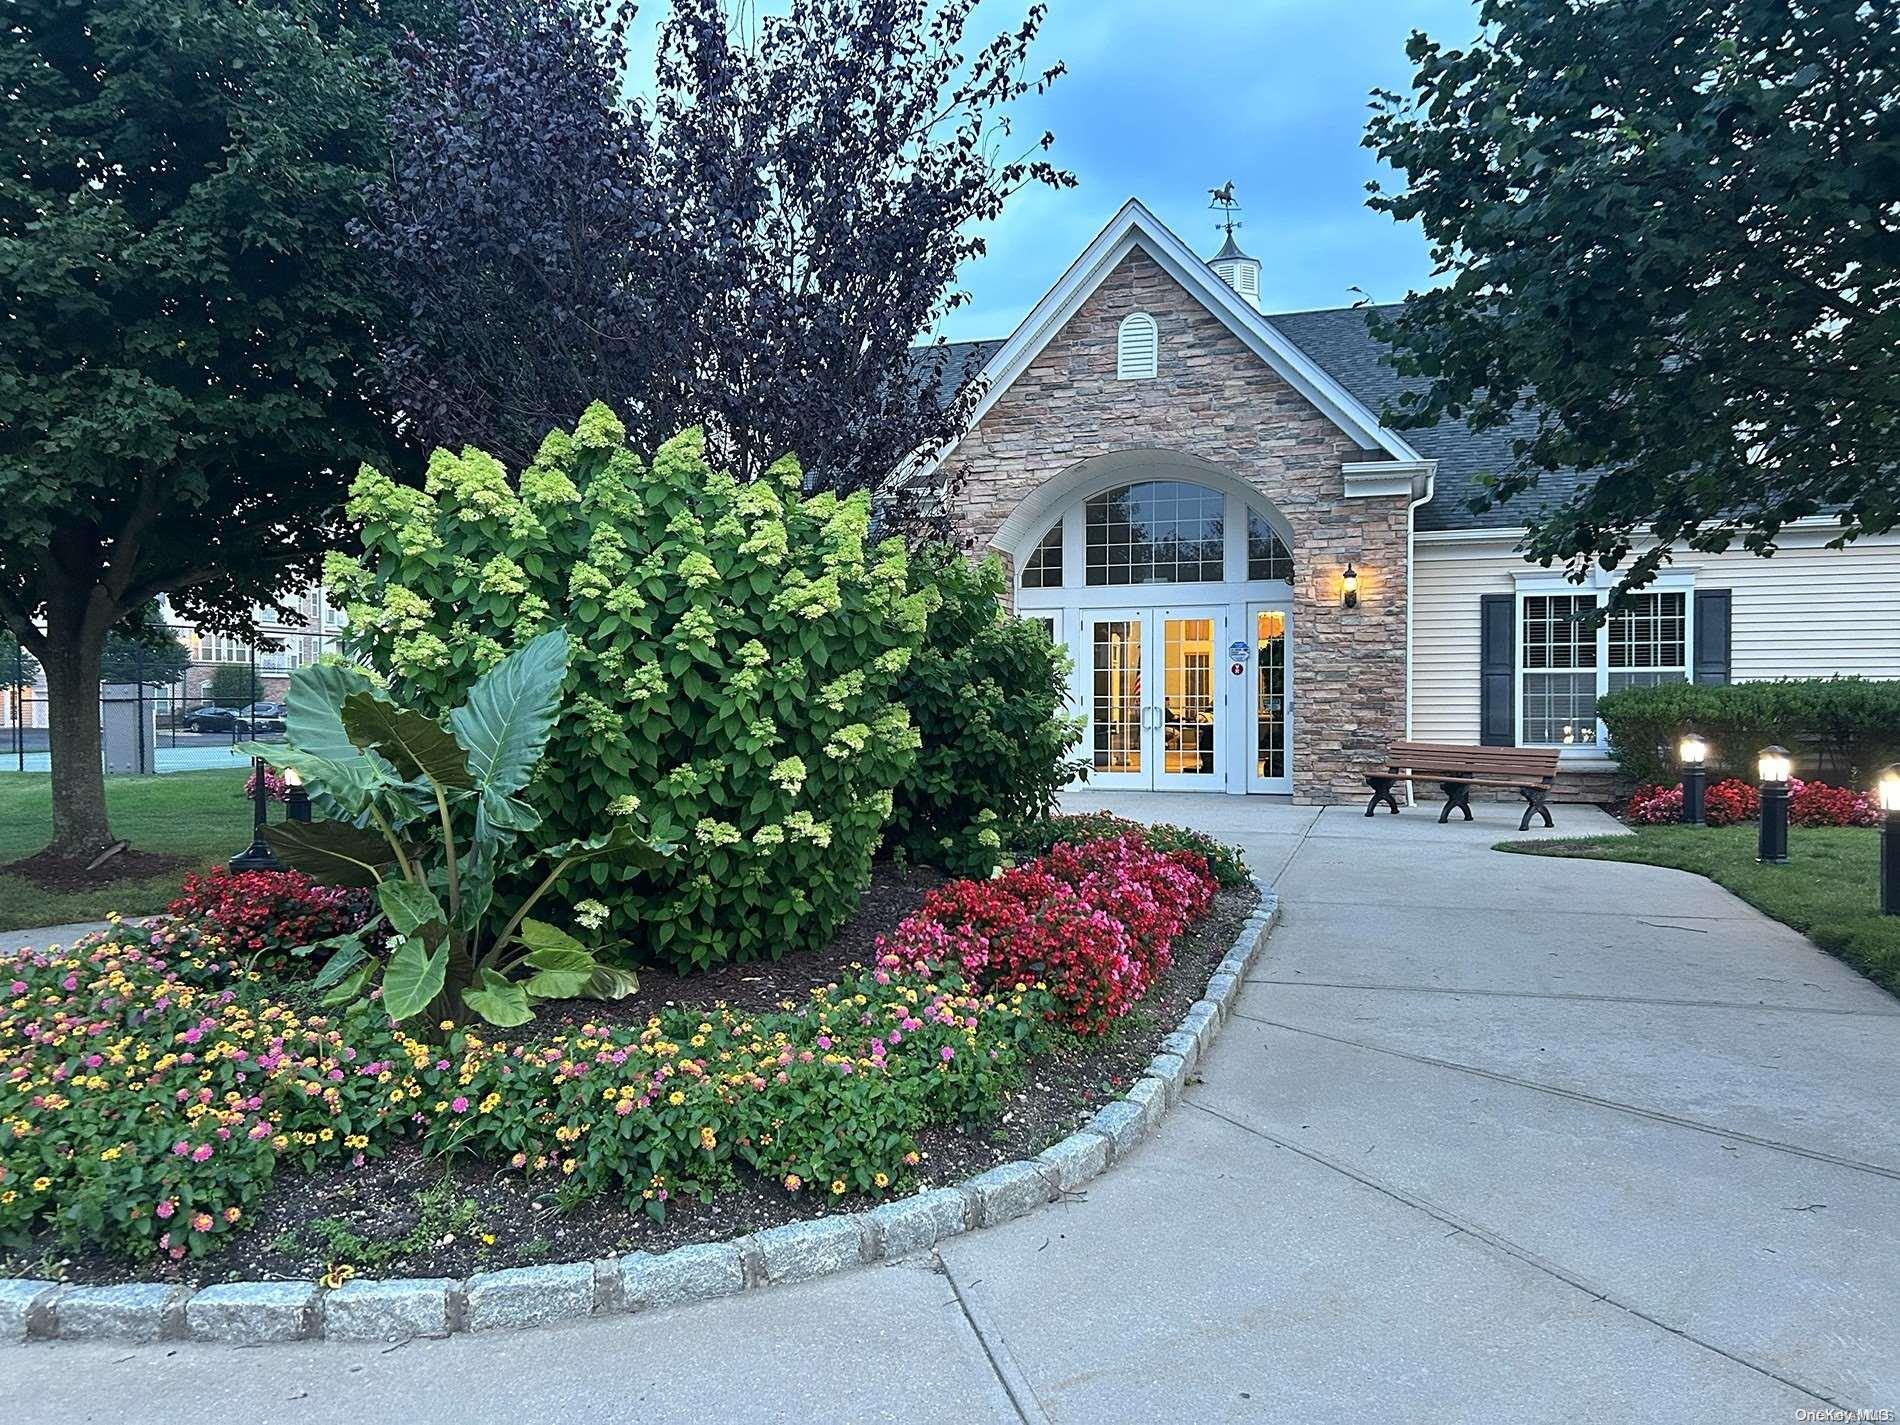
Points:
(1809, 612)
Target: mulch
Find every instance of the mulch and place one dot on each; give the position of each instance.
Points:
(476, 1218)
(62, 873)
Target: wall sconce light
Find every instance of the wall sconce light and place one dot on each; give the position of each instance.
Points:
(1349, 587)
(1774, 767)
(1887, 791)
(1694, 754)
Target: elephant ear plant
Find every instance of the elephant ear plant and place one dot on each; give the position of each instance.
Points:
(424, 815)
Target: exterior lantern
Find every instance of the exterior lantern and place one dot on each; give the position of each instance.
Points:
(296, 797)
(257, 856)
(1775, 767)
(1887, 792)
(1694, 754)
(1349, 587)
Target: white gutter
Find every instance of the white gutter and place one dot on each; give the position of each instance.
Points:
(1411, 540)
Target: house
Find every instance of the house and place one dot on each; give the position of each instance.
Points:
(1262, 586)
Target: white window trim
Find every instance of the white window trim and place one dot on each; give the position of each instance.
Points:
(1678, 581)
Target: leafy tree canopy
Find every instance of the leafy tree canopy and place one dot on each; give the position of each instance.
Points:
(754, 252)
(1670, 232)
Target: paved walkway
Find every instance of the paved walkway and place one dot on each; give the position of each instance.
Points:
(1490, 1138)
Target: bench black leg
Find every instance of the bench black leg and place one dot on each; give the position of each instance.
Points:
(1537, 806)
(1458, 796)
(1382, 792)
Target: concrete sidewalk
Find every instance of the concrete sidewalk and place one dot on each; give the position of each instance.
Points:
(1489, 1138)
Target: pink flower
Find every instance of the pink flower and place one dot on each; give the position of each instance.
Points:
(164, 1209)
(459, 1105)
(201, 1153)
(946, 1053)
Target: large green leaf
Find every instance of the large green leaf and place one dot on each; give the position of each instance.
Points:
(410, 907)
(414, 977)
(610, 982)
(350, 952)
(416, 745)
(562, 965)
(335, 852)
(350, 988)
(504, 726)
(316, 743)
(502, 1004)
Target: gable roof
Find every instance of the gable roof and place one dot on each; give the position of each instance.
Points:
(1134, 226)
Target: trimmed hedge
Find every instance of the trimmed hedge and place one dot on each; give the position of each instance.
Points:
(1847, 728)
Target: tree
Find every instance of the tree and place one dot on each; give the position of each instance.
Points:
(185, 390)
(755, 255)
(142, 649)
(233, 685)
(1671, 240)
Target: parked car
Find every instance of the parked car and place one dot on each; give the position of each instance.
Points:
(215, 719)
(264, 717)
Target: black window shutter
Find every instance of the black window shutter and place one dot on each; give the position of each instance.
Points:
(1711, 635)
(1497, 670)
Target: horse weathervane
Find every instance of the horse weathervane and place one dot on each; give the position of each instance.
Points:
(1225, 203)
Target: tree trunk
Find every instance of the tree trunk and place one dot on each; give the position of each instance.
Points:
(75, 644)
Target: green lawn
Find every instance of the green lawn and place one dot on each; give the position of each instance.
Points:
(1829, 890)
(202, 815)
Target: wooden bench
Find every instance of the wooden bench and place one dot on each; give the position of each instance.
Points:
(1530, 771)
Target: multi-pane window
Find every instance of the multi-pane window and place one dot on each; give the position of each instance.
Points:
(1560, 670)
(1155, 532)
(1649, 641)
(1565, 664)
(1044, 568)
(1267, 556)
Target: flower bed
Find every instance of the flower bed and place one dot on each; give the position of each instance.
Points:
(1733, 800)
(151, 1086)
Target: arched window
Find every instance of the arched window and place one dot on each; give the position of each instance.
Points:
(1135, 348)
(1267, 554)
(1155, 532)
(1043, 570)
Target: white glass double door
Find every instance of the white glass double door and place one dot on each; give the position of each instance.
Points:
(1153, 691)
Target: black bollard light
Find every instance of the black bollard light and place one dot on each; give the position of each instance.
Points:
(257, 856)
(1887, 791)
(1774, 767)
(1694, 755)
(296, 798)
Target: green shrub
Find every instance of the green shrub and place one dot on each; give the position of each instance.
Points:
(1845, 728)
(1227, 863)
(985, 694)
(736, 653)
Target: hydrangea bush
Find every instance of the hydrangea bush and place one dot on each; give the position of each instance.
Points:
(736, 656)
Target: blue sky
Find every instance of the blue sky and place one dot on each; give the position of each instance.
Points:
(1165, 99)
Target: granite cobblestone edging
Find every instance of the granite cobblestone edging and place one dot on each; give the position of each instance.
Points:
(513, 1298)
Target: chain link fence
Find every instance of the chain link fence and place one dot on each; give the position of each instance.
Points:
(168, 709)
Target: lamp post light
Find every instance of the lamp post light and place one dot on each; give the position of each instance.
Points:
(1694, 755)
(1887, 790)
(296, 797)
(257, 856)
(1774, 767)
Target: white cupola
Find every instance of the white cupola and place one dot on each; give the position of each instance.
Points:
(1238, 270)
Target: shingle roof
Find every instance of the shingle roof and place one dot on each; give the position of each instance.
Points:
(1337, 338)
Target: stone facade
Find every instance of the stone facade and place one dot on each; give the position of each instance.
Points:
(1214, 399)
